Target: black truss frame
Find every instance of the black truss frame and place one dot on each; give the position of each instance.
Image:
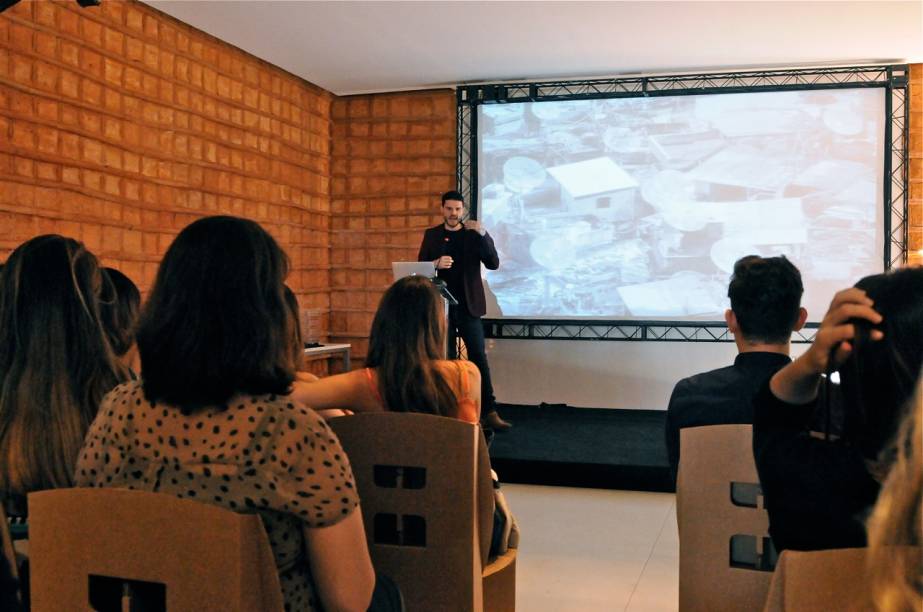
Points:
(894, 78)
(621, 331)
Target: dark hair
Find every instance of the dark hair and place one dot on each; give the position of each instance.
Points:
(879, 377)
(765, 296)
(452, 195)
(119, 308)
(55, 362)
(407, 338)
(216, 323)
(294, 312)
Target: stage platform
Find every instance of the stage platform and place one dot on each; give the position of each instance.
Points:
(555, 444)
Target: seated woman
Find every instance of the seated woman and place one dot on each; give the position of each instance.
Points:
(55, 364)
(119, 309)
(211, 419)
(820, 489)
(405, 370)
(895, 528)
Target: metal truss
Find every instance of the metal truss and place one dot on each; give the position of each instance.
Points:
(897, 186)
(465, 152)
(672, 85)
(621, 331)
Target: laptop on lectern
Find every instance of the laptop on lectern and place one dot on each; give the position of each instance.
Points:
(413, 268)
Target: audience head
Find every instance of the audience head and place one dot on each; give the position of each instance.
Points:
(119, 309)
(294, 311)
(55, 361)
(215, 323)
(765, 295)
(897, 519)
(408, 334)
(879, 377)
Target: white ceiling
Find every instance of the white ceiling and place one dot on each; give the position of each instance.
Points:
(360, 47)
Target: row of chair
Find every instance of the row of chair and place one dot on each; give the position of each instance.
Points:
(427, 503)
(726, 559)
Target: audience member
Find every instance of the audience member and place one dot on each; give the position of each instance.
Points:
(55, 364)
(765, 296)
(819, 489)
(211, 419)
(405, 369)
(119, 309)
(894, 529)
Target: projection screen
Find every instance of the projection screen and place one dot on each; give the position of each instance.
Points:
(637, 208)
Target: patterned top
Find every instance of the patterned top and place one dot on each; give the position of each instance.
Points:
(263, 454)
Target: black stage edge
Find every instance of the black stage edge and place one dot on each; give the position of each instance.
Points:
(556, 444)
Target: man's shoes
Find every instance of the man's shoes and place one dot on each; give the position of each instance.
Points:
(494, 421)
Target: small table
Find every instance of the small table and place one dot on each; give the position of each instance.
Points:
(327, 350)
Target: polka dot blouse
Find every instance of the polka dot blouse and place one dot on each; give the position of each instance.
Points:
(263, 454)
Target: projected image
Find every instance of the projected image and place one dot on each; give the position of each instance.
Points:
(638, 207)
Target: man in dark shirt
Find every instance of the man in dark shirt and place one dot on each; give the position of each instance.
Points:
(458, 248)
(765, 309)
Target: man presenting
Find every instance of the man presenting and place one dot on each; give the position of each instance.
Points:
(457, 249)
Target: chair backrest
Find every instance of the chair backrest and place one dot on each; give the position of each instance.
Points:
(724, 546)
(427, 503)
(206, 557)
(820, 580)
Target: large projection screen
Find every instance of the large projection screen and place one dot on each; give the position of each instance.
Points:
(637, 208)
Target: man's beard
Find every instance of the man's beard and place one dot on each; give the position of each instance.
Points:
(452, 222)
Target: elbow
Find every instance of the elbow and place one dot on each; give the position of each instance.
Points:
(348, 599)
(492, 264)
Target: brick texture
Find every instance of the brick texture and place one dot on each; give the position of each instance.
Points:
(393, 157)
(120, 125)
(915, 167)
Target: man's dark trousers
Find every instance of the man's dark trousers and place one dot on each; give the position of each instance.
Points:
(471, 330)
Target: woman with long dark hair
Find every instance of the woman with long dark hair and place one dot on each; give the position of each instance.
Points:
(211, 419)
(820, 486)
(405, 369)
(55, 364)
(120, 310)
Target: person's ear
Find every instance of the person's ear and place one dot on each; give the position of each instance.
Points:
(731, 319)
(802, 317)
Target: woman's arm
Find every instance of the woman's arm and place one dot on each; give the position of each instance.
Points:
(797, 383)
(340, 564)
(350, 390)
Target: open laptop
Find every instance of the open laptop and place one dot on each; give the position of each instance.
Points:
(413, 268)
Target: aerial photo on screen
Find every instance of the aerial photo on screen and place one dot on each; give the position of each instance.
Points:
(638, 207)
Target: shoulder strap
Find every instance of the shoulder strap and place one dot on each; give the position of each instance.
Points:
(373, 386)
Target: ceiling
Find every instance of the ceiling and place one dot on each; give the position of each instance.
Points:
(361, 47)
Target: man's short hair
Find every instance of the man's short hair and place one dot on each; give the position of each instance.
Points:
(452, 195)
(765, 296)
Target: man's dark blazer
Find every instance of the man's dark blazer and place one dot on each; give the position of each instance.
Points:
(475, 249)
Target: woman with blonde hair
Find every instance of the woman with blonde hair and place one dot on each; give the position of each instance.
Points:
(55, 364)
(895, 529)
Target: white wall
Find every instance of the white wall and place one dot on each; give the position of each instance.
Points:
(600, 374)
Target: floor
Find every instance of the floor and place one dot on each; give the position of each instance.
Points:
(592, 549)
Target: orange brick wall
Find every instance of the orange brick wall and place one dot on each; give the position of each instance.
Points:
(393, 157)
(120, 125)
(915, 170)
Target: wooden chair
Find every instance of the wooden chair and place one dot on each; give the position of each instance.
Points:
(427, 502)
(819, 581)
(177, 553)
(725, 554)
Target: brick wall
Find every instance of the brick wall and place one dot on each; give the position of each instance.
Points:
(393, 157)
(915, 170)
(120, 125)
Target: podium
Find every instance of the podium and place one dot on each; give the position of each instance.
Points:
(447, 300)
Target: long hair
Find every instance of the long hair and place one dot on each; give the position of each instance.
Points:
(294, 312)
(879, 377)
(407, 338)
(119, 309)
(216, 323)
(895, 528)
(55, 362)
